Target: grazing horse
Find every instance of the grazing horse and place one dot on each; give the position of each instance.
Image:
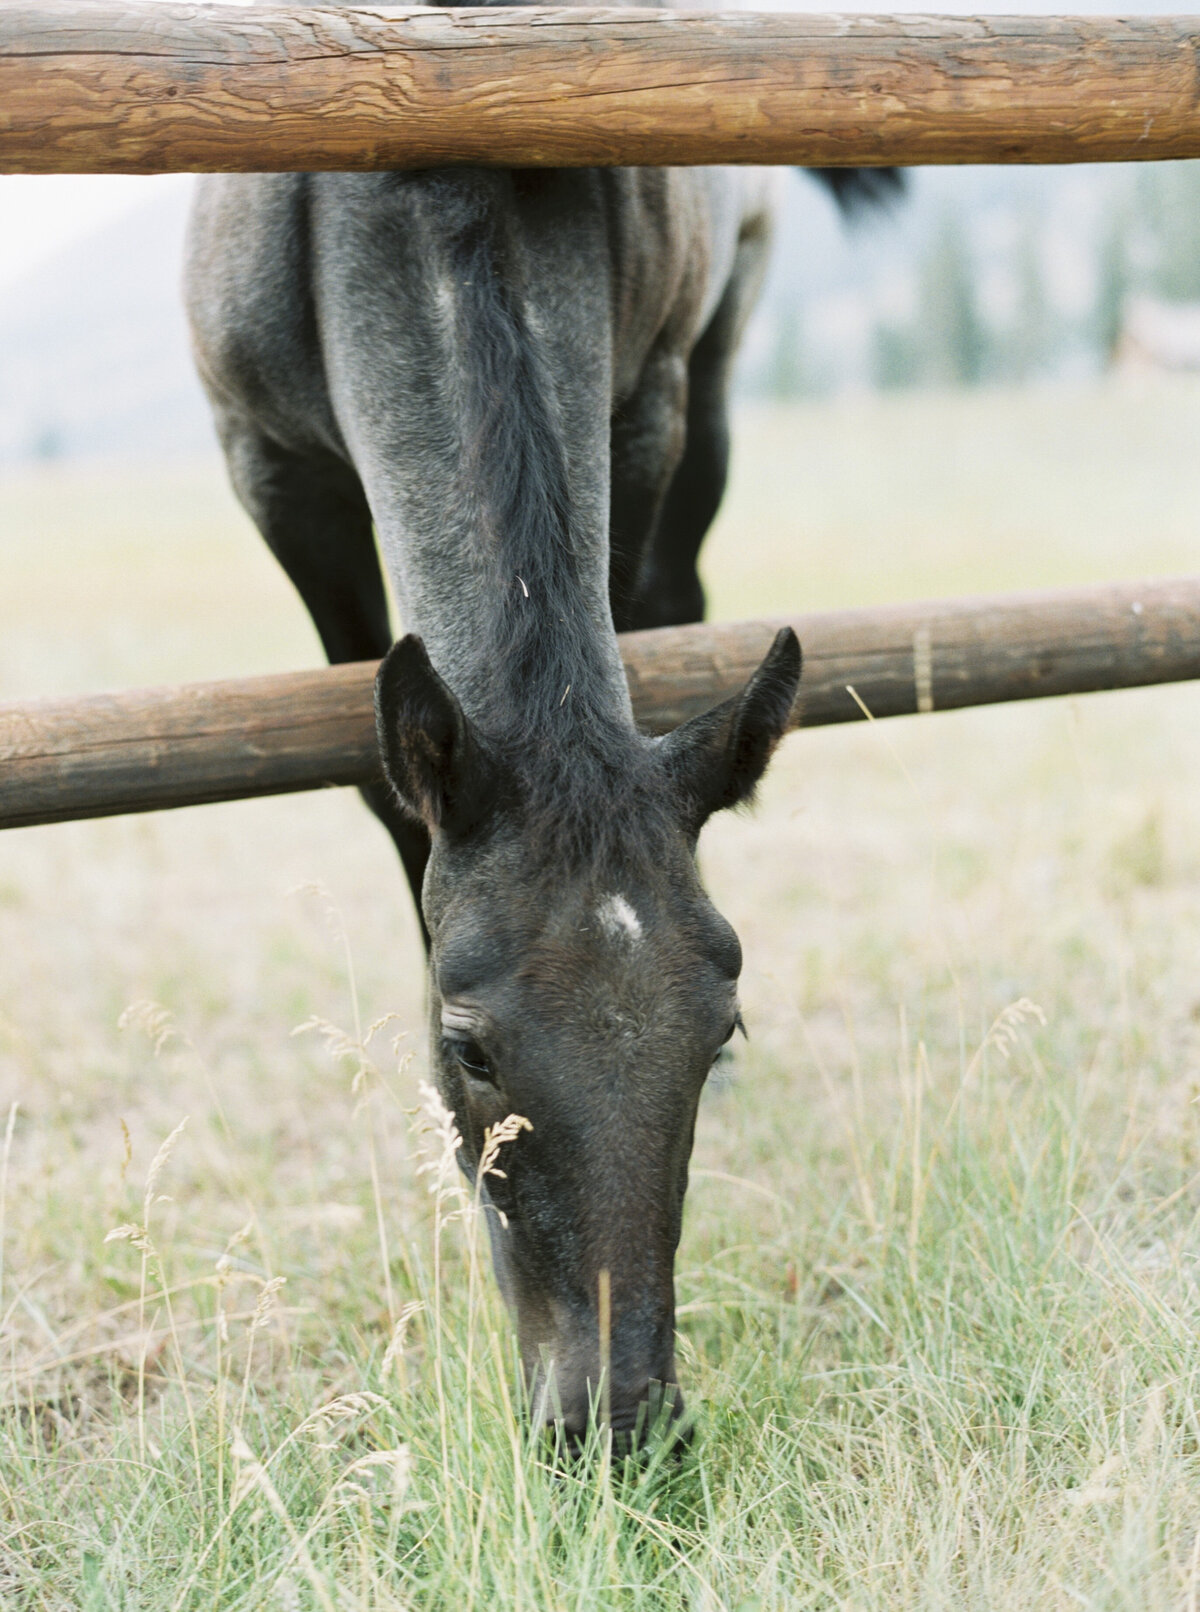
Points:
(517, 381)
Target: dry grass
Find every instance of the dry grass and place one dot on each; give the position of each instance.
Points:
(938, 1283)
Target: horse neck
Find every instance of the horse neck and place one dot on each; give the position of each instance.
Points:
(493, 509)
(511, 597)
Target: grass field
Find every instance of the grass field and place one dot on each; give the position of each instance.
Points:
(938, 1287)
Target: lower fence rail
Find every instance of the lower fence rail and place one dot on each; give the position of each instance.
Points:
(143, 750)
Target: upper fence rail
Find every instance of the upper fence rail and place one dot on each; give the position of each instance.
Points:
(154, 88)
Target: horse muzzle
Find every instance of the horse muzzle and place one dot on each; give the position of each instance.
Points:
(571, 1396)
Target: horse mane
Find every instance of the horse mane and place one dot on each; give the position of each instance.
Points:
(553, 714)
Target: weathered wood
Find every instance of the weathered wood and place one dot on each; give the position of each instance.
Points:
(111, 753)
(143, 87)
(143, 749)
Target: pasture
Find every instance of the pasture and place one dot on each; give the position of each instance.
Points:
(940, 1322)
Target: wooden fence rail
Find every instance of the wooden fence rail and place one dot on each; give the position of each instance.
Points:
(139, 751)
(143, 87)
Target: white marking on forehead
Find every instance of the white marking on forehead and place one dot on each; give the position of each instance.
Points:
(618, 919)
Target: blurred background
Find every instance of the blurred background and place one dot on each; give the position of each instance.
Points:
(997, 277)
(982, 277)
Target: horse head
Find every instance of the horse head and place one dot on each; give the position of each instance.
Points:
(579, 977)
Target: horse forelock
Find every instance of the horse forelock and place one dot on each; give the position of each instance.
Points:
(595, 803)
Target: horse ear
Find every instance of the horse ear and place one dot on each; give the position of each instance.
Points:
(431, 755)
(717, 759)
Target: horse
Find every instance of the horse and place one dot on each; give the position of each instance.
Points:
(518, 381)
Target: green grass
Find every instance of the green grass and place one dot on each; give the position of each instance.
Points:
(940, 1322)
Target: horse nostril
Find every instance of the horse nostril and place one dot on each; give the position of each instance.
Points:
(637, 1422)
(659, 1413)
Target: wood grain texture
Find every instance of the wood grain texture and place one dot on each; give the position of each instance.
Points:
(145, 87)
(142, 750)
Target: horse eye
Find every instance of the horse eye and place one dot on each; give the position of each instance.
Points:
(738, 1024)
(470, 1056)
(723, 1053)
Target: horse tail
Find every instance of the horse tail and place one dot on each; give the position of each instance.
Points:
(858, 191)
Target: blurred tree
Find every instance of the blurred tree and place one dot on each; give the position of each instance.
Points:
(1113, 276)
(952, 335)
(896, 357)
(1170, 197)
(48, 442)
(1032, 335)
(787, 374)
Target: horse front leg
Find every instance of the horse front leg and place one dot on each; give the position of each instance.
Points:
(647, 444)
(313, 514)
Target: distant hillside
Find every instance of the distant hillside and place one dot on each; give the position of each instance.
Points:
(94, 356)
